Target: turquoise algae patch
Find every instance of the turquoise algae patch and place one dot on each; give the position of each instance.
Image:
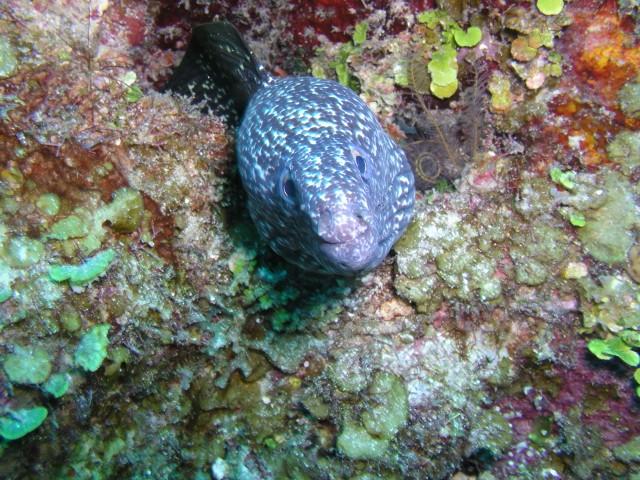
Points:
(17, 423)
(5, 293)
(28, 365)
(79, 275)
(57, 385)
(92, 349)
(7, 275)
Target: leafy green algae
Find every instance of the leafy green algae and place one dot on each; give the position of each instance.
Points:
(17, 423)
(70, 227)
(614, 347)
(86, 272)
(92, 349)
(469, 38)
(550, 7)
(28, 365)
(57, 384)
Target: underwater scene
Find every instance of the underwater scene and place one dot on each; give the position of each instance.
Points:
(357, 239)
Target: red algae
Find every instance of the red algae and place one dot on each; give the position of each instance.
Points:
(602, 54)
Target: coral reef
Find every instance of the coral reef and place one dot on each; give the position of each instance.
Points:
(146, 332)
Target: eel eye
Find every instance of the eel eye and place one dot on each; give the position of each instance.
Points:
(363, 163)
(288, 189)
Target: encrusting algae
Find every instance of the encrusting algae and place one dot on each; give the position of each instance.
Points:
(143, 320)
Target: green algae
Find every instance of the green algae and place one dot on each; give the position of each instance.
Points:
(389, 408)
(18, 423)
(48, 203)
(491, 435)
(550, 7)
(348, 374)
(57, 384)
(460, 251)
(23, 252)
(614, 347)
(577, 219)
(356, 443)
(624, 150)
(521, 49)
(499, 87)
(386, 412)
(469, 38)
(443, 68)
(537, 249)
(613, 303)
(124, 213)
(443, 36)
(608, 233)
(28, 365)
(126, 210)
(614, 306)
(316, 407)
(92, 349)
(628, 452)
(5, 293)
(70, 227)
(360, 33)
(70, 319)
(629, 99)
(566, 179)
(79, 275)
(8, 60)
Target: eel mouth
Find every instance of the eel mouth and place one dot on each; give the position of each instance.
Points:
(355, 256)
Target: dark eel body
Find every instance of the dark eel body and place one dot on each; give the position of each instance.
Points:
(327, 188)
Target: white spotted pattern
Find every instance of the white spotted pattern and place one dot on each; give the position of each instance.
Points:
(308, 129)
